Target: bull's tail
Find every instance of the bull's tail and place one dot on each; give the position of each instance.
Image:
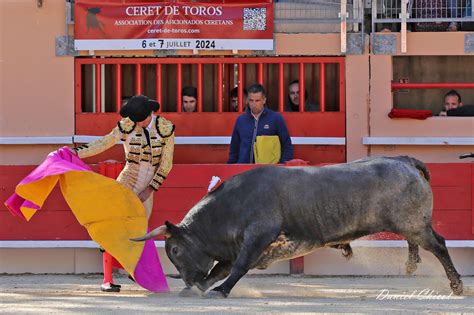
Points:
(415, 163)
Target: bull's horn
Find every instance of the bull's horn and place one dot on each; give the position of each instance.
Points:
(161, 230)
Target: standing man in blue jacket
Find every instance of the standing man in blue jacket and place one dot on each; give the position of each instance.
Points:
(258, 120)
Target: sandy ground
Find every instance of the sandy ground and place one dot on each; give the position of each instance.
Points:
(68, 294)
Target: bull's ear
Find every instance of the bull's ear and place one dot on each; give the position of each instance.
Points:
(173, 229)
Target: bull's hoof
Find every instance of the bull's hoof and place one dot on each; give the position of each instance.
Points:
(410, 267)
(202, 287)
(214, 294)
(457, 288)
(189, 292)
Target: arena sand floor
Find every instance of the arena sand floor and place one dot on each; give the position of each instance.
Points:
(79, 294)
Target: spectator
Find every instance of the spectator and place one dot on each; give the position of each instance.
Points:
(452, 100)
(234, 99)
(294, 99)
(465, 110)
(258, 120)
(189, 98)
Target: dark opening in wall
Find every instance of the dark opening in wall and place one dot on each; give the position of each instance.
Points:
(431, 69)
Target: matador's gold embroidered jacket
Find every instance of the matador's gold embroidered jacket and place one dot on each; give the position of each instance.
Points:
(137, 150)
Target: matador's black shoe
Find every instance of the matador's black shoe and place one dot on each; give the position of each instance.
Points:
(110, 287)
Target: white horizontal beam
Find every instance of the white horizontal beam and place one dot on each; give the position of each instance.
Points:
(467, 141)
(36, 140)
(418, 140)
(202, 140)
(57, 244)
(178, 140)
(86, 139)
(318, 140)
(92, 244)
(226, 140)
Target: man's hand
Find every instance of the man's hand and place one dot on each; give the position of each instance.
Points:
(444, 112)
(144, 195)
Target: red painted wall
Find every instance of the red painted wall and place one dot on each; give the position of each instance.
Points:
(453, 216)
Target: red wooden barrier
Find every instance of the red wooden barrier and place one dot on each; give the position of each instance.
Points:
(453, 215)
(110, 168)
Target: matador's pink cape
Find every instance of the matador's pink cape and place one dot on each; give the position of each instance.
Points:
(111, 213)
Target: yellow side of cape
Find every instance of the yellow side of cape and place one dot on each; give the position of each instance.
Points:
(109, 211)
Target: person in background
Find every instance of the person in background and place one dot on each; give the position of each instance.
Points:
(293, 104)
(148, 142)
(452, 100)
(189, 99)
(258, 120)
(234, 99)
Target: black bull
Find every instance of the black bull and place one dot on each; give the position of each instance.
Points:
(272, 213)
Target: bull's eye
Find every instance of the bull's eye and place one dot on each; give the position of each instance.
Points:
(174, 250)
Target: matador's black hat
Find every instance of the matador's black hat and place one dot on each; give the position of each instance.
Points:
(139, 107)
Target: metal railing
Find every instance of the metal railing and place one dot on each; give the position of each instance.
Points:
(421, 11)
(320, 16)
(97, 80)
(423, 86)
(418, 11)
(318, 11)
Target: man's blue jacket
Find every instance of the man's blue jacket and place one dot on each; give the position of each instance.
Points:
(247, 128)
